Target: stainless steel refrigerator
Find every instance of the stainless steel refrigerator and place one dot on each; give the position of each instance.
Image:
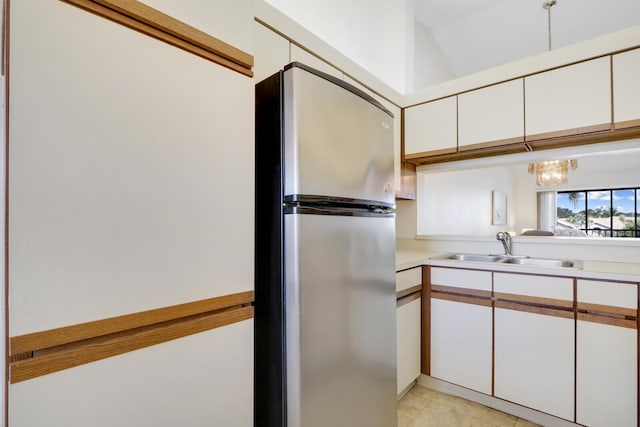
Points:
(325, 306)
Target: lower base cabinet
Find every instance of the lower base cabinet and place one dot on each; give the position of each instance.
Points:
(200, 380)
(607, 375)
(461, 344)
(408, 342)
(534, 361)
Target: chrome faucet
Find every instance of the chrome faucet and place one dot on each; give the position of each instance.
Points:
(505, 238)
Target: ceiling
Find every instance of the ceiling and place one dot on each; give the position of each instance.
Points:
(474, 35)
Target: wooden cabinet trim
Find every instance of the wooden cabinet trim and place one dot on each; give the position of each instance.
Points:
(569, 132)
(408, 298)
(608, 320)
(425, 321)
(147, 20)
(408, 291)
(492, 144)
(466, 299)
(525, 299)
(460, 291)
(430, 153)
(626, 124)
(535, 309)
(84, 331)
(75, 354)
(599, 309)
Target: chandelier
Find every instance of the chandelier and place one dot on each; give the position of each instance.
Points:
(553, 172)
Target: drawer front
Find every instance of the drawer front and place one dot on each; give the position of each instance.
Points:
(608, 293)
(468, 279)
(534, 286)
(408, 278)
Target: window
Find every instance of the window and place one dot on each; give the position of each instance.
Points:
(602, 213)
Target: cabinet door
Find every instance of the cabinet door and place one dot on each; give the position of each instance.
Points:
(431, 128)
(271, 52)
(408, 343)
(491, 116)
(570, 100)
(201, 380)
(607, 354)
(626, 89)
(397, 145)
(534, 361)
(116, 174)
(408, 278)
(461, 344)
(607, 375)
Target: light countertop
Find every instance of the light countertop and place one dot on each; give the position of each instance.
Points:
(601, 270)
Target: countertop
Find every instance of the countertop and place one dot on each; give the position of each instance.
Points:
(602, 270)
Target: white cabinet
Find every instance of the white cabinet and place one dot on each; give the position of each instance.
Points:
(112, 169)
(461, 344)
(431, 128)
(534, 348)
(407, 279)
(461, 328)
(199, 380)
(570, 100)
(409, 328)
(626, 89)
(491, 116)
(607, 355)
(408, 342)
(271, 52)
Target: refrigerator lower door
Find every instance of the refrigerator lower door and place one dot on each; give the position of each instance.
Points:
(340, 321)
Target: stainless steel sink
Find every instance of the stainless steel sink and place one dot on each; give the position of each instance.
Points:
(472, 257)
(513, 259)
(540, 262)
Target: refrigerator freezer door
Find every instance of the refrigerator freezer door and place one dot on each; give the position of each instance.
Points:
(340, 317)
(337, 144)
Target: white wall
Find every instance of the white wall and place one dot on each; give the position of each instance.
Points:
(430, 65)
(460, 202)
(406, 219)
(376, 34)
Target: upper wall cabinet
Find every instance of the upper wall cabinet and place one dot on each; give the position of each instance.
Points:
(271, 52)
(568, 101)
(431, 128)
(491, 116)
(626, 89)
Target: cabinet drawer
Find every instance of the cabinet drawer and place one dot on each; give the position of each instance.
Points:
(608, 293)
(468, 279)
(534, 286)
(408, 278)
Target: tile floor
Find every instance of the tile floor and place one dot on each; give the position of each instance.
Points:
(422, 407)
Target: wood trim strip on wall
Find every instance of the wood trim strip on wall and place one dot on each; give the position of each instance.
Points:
(403, 293)
(68, 334)
(408, 298)
(147, 20)
(535, 309)
(75, 354)
(525, 299)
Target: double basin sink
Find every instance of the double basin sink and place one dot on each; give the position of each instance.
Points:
(512, 259)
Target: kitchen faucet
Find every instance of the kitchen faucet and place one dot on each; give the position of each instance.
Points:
(505, 238)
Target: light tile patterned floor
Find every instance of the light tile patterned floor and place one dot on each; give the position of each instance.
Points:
(422, 407)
